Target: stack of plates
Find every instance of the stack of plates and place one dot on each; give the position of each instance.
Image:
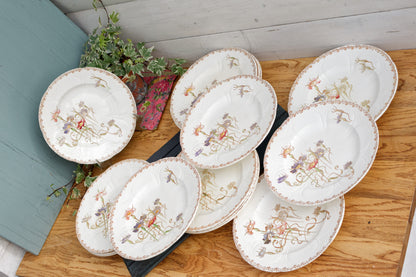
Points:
(93, 216)
(322, 151)
(207, 71)
(276, 236)
(224, 110)
(225, 192)
(155, 208)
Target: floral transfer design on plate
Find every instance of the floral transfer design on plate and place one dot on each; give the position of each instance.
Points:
(227, 136)
(151, 224)
(214, 195)
(362, 74)
(340, 89)
(285, 227)
(82, 126)
(195, 94)
(102, 215)
(314, 167)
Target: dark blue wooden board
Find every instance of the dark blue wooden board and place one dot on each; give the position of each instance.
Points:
(38, 43)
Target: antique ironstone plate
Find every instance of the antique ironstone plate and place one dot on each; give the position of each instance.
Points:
(224, 192)
(92, 221)
(155, 208)
(362, 74)
(87, 115)
(228, 122)
(321, 152)
(275, 236)
(205, 72)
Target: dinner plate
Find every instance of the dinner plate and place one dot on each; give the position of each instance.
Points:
(362, 74)
(232, 215)
(204, 73)
(92, 221)
(155, 208)
(87, 115)
(223, 193)
(321, 152)
(275, 236)
(228, 122)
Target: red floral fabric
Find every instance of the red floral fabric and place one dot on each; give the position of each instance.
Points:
(150, 109)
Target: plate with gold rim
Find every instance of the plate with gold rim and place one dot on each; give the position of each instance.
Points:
(155, 208)
(208, 70)
(363, 74)
(223, 193)
(276, 236)
(228, 122)
(92, 221)
(321, 152)
(87, 115)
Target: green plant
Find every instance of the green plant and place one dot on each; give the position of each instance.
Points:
(82, 175)
(105, 49)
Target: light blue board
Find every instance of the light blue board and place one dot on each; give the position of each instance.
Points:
(37, 44)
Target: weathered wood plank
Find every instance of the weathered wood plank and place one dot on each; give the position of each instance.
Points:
(33, 53)
(303, 39)
(158, 20)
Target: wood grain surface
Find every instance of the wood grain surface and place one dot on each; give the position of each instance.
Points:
(369, 243)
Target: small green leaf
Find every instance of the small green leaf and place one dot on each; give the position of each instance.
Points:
(57, 193)
(114, 17)
(75, 193)
(89, 180)
(65, 190)
(79, 174)
(137, 68)
(74, 212)
(146, 53)
(48, 198)
(157, 66)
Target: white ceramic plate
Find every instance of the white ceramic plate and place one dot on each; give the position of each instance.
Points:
(223, 193)
(87, 115)
(228, 122)
(204, 73)
(275, 236)
(155, 208)
(362, 74)
(92, 221)
(321, 152)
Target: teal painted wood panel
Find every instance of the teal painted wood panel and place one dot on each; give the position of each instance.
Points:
(38, 43)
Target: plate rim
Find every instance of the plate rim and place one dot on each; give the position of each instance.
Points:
(348, 47)
(47, 94)
(375, 131)
(269, 88)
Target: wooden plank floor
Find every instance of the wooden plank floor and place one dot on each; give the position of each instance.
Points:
(371, 238)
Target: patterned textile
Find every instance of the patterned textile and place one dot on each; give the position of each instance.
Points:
(151, 95)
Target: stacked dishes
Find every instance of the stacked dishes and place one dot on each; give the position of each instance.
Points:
(155, 208)
(93, 216)
(324, 149)
(224, 110)
(225, 192)
(275, 236)
(207, 71)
